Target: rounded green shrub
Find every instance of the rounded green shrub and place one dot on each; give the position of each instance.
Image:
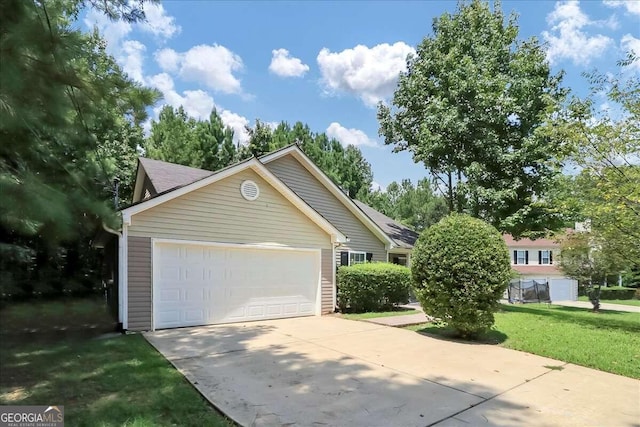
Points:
(372, 286)
(460, 269)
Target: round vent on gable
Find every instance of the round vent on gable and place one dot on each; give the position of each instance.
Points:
(249, 190)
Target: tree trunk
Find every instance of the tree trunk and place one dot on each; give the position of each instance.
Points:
(594, 296)
(449, 175)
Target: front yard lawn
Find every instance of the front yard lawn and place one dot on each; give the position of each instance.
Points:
(374, 314)
(634, 302)
(608, 341)
(114, 381)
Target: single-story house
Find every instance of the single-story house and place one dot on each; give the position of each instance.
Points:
(260, 239)
(536, 260)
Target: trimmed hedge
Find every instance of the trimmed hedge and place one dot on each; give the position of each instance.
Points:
(372, 286)
(461, 268)
(617, 293)
(611, 292)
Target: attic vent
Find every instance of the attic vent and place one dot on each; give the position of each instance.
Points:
(249, 190)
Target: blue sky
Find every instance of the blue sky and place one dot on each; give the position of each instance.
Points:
(328, 63)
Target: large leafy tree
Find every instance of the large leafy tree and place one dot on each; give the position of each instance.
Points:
(472, 106)
(589, 259)
(70, 124)
(606, 147)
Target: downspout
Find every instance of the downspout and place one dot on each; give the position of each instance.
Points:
(120, 273)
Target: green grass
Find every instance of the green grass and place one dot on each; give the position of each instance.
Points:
(633, 302)
(374, 314)
(121, 380)
(608, 341)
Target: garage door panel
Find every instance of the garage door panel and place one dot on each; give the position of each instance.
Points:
(205, 284)
(169, 295)
(561, 289)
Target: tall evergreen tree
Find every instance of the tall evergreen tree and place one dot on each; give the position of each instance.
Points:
(70, 124)
(177, 138)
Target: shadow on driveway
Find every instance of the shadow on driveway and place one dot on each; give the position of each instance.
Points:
(279, 373)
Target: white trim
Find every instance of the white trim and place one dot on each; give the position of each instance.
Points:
(123, 265)
(155, 241)
(517, 257)
(233, 245)
(299, 155)
(260, 169)
(335, 284)
(358, 253)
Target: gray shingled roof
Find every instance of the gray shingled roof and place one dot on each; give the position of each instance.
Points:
(166, 176)
(403, 236)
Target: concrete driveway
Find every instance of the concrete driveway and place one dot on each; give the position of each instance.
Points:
(326, 371)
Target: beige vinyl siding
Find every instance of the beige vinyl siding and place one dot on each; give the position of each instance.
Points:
(219, 213)
(326, 268)
(305, 185)
(139, 283)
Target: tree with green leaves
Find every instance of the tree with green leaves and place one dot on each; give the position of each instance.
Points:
(71, 120)
(589, 259)
(347, 167)
(415, 206)
(472, 106)
(606, 147)
(177, 138)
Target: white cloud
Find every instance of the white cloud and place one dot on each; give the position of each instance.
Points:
(284, 65)
(567, 38)
(112, 31)
(212, 66)
(133, 59)
(630, 43)
(378, 187)
(238, 123)
(158, 22)
(632, 6)
(348, 136)
(167, 59)
(369, 73)
(130, 53)
(198, 104)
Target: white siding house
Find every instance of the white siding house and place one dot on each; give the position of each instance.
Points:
(537, 260)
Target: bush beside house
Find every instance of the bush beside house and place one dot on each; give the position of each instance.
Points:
(460, 269)
(372, 286)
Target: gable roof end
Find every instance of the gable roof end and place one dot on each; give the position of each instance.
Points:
(301, 157)
(257, 167)
(166, 176)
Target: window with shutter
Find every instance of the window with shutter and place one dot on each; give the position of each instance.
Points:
(357, 257)
(545, 257)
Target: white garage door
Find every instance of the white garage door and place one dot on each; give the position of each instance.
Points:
(207, 284)
(562, 290)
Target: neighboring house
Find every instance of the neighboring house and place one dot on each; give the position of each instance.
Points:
(260, 239)
(537, 260)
